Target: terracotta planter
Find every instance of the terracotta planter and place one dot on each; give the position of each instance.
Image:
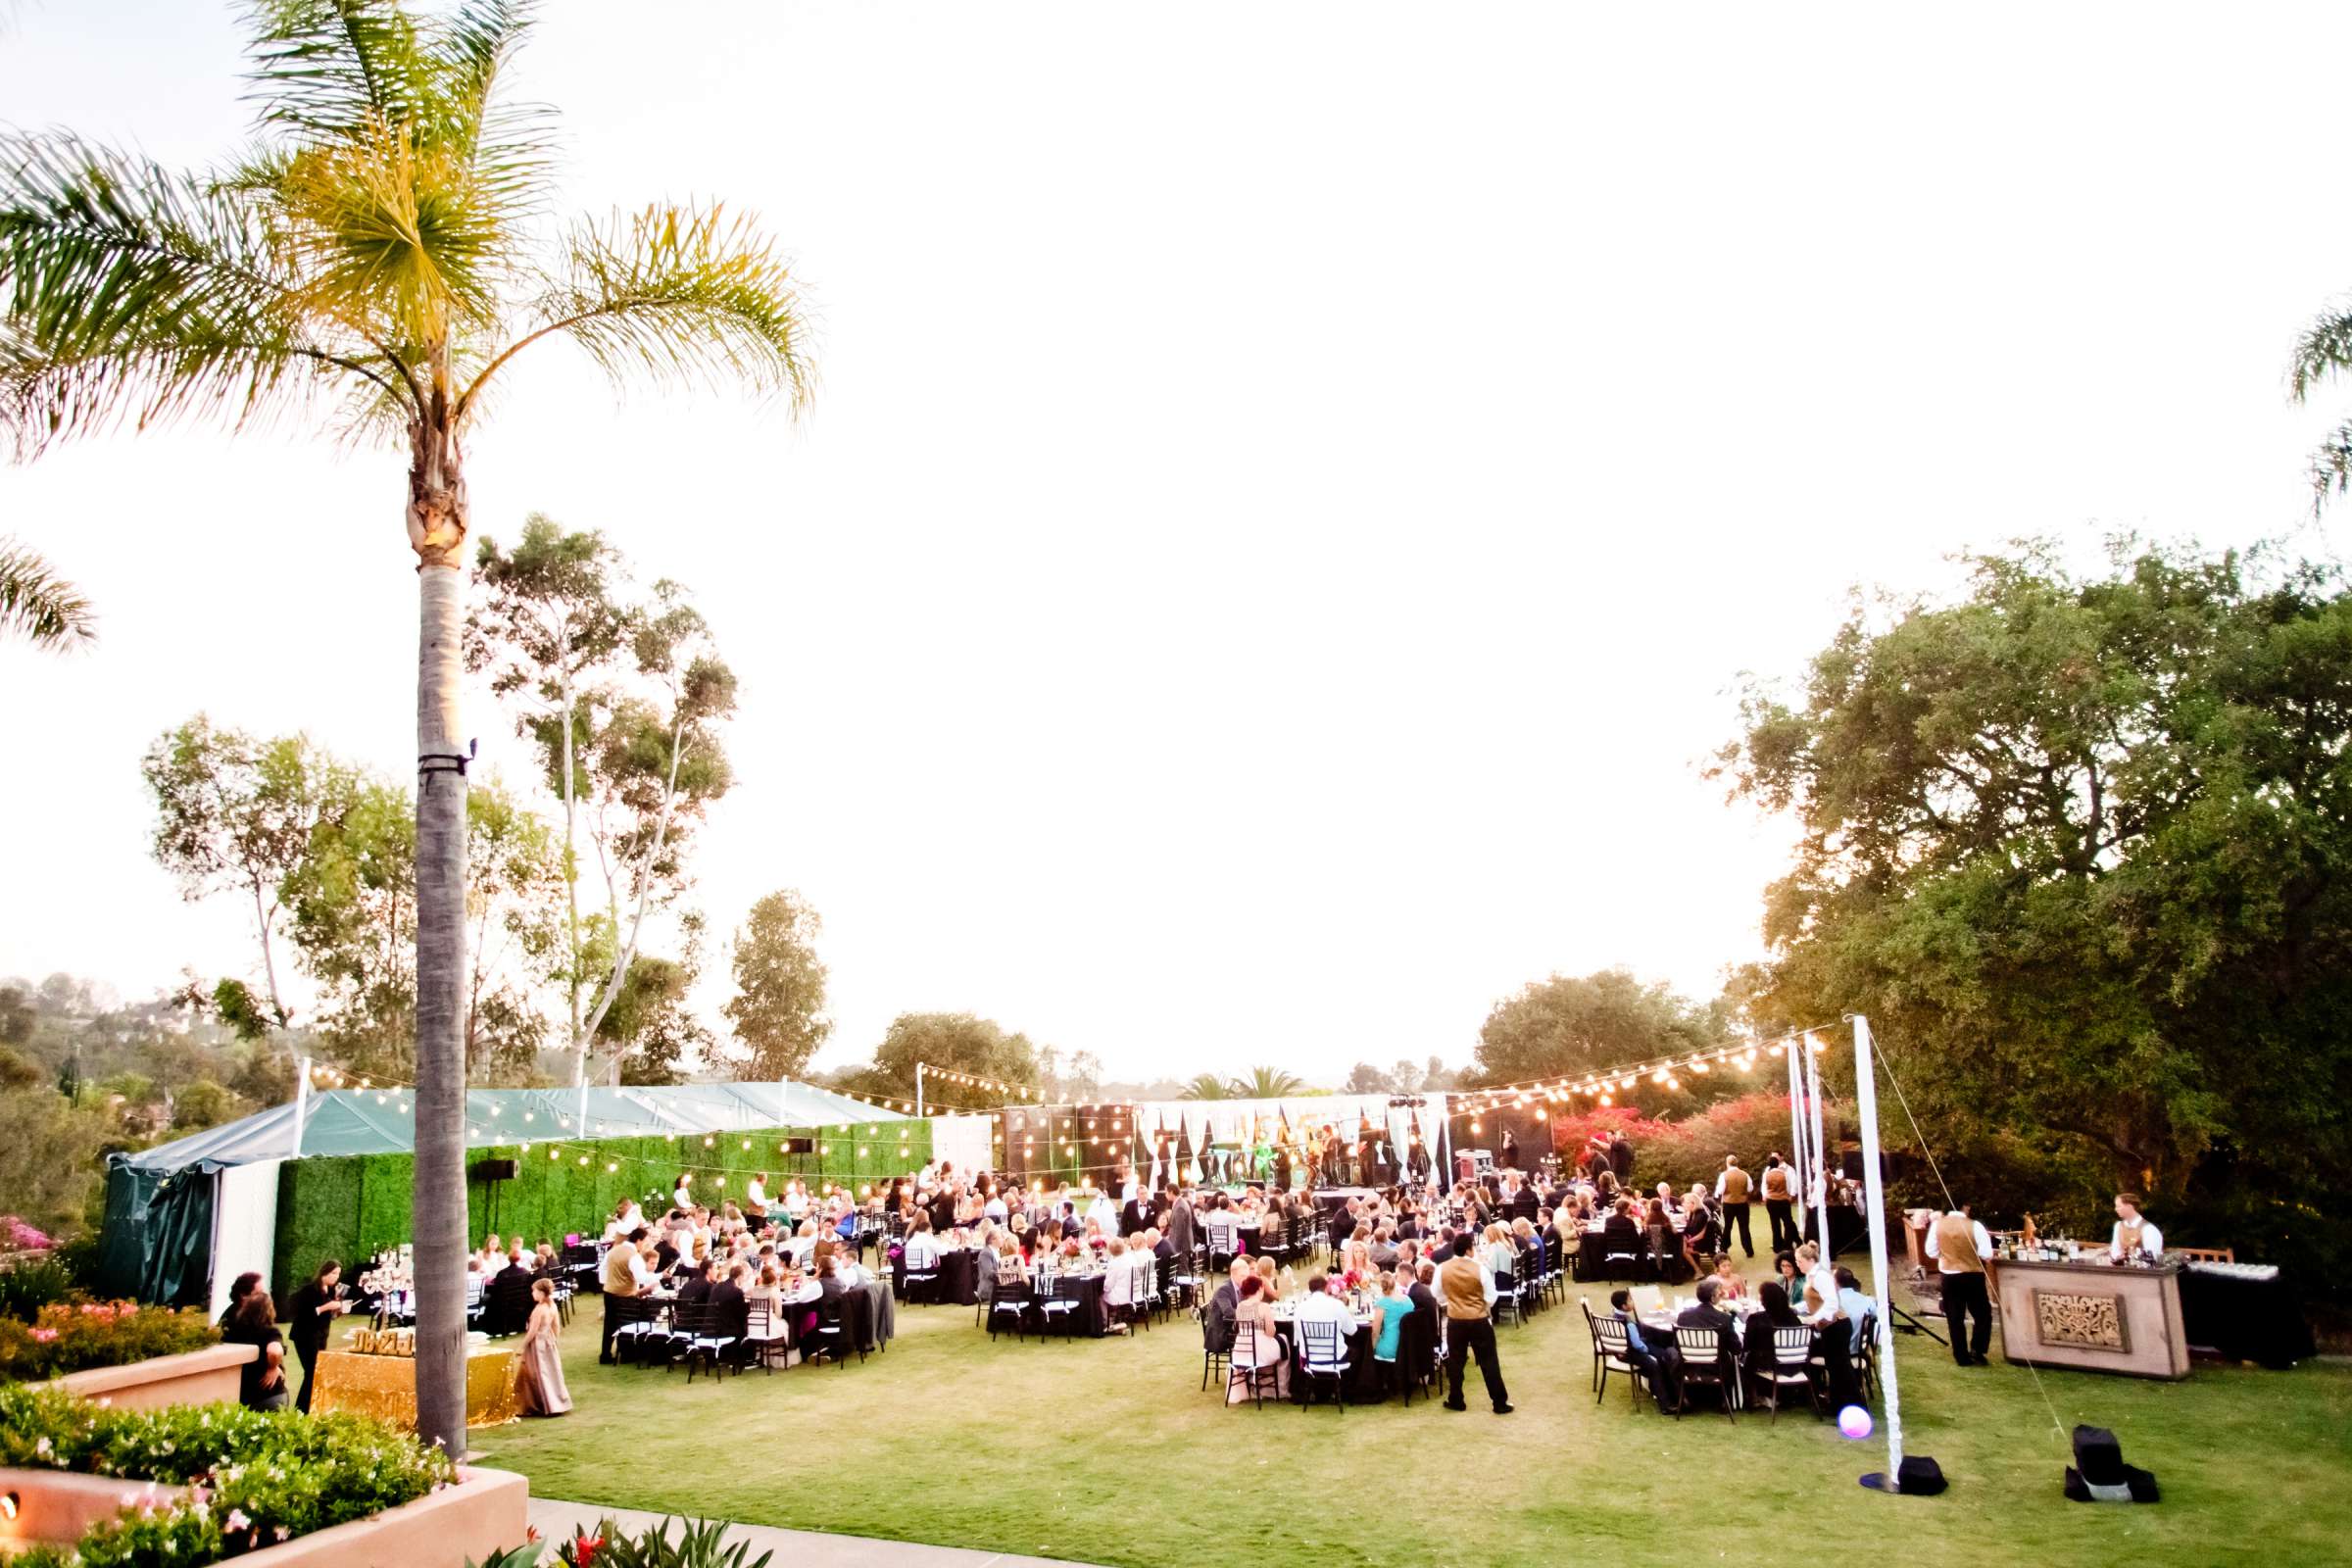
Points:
(208, 1376)
(486, 1511)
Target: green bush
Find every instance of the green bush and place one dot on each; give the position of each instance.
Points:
(31, 1282)
(76, 1336)
(257, 1477)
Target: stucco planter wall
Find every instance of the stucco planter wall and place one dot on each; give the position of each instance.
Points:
(208, 1376)
(486, 1511)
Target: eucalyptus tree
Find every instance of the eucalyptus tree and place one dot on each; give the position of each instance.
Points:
(622, 697)
(385, 247)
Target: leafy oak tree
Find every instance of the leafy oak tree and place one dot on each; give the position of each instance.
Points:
(1570, 1024)
(2079, 846)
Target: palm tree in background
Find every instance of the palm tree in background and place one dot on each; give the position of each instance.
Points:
(382, 255)
(1265, 1083)
(1208, 1086)
(39, 606)
(2324, 353)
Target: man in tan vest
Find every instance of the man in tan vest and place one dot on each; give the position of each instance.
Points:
(1960, 1245)
(620, 1283)
(1732, 1191)
(1467, 1291)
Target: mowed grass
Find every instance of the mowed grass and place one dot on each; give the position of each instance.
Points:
(1106, 1451)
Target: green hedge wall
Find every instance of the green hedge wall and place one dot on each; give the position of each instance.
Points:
(351, 1207)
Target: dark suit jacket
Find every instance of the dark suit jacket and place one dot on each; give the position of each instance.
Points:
(1133, 1218)
(510, 1301)
(1180, 1225)
(1219, 1318)
(697, 1289)
(1726, 1341)
(1620, 1234)
(730, 1314)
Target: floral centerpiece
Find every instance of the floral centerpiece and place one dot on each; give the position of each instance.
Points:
(76, 1335)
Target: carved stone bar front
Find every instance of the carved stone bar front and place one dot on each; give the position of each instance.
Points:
(2092, 1317)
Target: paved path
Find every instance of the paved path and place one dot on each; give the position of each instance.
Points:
(793, 1548)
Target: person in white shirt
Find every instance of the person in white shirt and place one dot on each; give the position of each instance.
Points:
(796, 1201)
(641, 1266)
(2134, 1237)
(923, 1247)
(754, 1197)
(1104, 1212)
(682, 1198)
(994, 1210)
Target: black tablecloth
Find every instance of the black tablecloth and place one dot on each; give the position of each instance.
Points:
(1592, 1263)
(2246, 1320)
(1847, 1227)
(958, 1275)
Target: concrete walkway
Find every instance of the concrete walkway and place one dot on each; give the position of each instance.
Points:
(793, 1548)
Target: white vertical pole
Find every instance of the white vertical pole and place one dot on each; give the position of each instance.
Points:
(1820, 1150)
(919, 1088)
(1796, 1116)
(301, 1099)
(1866, 1108)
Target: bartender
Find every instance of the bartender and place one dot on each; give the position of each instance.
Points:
(2134, 1236)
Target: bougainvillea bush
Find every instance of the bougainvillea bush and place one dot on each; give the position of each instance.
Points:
(254, 1478)
(76, 1336)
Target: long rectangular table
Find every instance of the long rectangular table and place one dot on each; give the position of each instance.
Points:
(385, 1385)
(2092, 1317)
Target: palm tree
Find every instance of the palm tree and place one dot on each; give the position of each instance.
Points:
(384, 247)
(1208, 1086)
(39, 606)
(1265, 1083)
(2323, 352)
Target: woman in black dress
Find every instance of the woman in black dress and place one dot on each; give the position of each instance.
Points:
(308, 1316)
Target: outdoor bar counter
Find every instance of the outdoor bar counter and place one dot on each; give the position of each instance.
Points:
(2092, 1317)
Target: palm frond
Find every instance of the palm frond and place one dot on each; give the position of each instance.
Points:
(38, 604)
(686, 295)
(324, 69)
(2332, 467)
(134, 293)
(2324, 350)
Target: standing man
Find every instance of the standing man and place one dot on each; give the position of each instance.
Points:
(2134, 1237)
(1621, 1158)
(620, 1283)
(754, 1202)
(1960, 1245)
(1732, 1192)
(1780, 1205)
(1467, 1290)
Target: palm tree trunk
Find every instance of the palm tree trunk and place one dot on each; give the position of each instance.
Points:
(437, 526)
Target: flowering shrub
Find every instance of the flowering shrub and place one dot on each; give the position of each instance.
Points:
(17, 1237)
(254, 1478)
(74, 1336)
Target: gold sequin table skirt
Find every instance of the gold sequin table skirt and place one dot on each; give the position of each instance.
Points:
(385, 1385)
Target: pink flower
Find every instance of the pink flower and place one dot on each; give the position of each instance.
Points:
(44, 1335)
(236, 1521)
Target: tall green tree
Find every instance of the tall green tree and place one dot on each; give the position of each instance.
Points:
(39, 606)
(382, 246)
(235, 814)
(2079, 846)
(1570, 1024)
(958, 1041)
(778, 1008)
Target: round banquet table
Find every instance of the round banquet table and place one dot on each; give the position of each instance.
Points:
(1094, 1313)
(958, 1275)
(1360, 1383)
(385, 1385)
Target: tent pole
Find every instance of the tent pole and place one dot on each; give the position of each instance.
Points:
(1819, 1150)
(919, 1088)
(1797, 1118)
(301, 1099)
(1874, 1199)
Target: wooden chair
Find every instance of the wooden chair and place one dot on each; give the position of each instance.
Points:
(1323, 1354)
(1792, 1364)
(1703, 1367)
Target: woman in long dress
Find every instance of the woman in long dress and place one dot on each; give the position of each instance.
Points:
(541, 1382)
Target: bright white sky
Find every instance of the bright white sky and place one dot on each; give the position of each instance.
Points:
(1292, 486)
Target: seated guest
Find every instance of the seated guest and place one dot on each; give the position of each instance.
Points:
(507, 1305)
(1497, 1252)
(1394, 1306)
(1256, 1312)
(1224, 1307)
(241, 1287)
(1760, 1358)
(1263, 1268)
(1382, 1250)
(1791, 1281)
(262, 1382)
(699, 1281)
(1705, 1315)
(1656, 1362)
(1659, 1232)
(1118, 1287)
(730, 1305)
(767, 1288)
(1619, 1233)
(1318, 1305)
(923, 1247)
(1729, 1285)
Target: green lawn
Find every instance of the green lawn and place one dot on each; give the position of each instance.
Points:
(1107, 1453)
